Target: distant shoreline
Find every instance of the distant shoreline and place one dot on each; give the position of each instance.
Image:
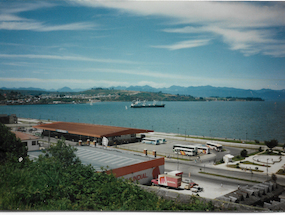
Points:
(61, 103)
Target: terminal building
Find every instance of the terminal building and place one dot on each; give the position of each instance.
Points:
(81, 132)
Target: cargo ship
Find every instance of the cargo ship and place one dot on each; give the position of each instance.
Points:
(139, 104)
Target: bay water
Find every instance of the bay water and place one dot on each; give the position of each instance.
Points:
(236, 120)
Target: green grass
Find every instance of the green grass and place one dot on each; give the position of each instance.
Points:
(271, 153)
(252, 163)
(238, 158)
(205, 138)
(235, 166)
(280, 172)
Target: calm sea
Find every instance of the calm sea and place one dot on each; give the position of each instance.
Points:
(240, 120)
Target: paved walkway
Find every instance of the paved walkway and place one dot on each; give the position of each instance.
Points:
(275, 162)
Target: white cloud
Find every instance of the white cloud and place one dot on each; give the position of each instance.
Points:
(37, 26)
(250, 27)
(20, 6)
(10, 21)
(142, 73)
(234, 14)
(247, 41)
(38, 82)
(184, 44)
(69, 58)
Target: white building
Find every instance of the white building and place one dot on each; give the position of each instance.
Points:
(228, 158)
(30, 141)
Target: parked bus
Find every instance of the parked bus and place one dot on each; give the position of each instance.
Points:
(189, 150)
(214, 146)
(203, 149)
(153, 141)
(162, 141)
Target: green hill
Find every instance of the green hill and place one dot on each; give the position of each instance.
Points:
(126, 95)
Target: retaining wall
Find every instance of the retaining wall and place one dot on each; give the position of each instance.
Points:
(223, 206)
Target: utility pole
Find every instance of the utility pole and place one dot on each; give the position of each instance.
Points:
(267, 169)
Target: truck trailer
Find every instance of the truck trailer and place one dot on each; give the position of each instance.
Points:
(167, 181)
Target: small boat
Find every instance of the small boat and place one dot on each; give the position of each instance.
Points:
(139, 104)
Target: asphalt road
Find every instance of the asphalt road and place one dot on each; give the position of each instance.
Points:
(213, 186)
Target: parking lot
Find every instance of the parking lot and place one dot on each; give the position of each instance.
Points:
(167, 150)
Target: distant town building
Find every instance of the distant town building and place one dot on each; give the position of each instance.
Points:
(8, 119)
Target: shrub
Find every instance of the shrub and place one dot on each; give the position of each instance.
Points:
(10, 146)
(271, 144)
(274, 177)
(243, 153)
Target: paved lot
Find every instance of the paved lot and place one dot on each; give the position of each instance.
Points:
(167, 149)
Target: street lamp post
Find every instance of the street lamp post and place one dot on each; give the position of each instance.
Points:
(267, 169)
(177, 162)
(178, 131)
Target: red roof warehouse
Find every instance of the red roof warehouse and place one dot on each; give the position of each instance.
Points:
(121, 134)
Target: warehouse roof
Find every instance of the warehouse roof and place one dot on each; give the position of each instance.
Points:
(24, 136)
(90, 130)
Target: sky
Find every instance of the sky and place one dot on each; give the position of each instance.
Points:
(86, 44)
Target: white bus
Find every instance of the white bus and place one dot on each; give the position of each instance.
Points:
(214, 146)
(163, 141)
(153, 141)
(189, 150)
(203, 149)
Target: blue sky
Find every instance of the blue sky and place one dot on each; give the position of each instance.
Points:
(84, 44)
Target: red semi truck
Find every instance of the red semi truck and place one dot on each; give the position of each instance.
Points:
(167, 180)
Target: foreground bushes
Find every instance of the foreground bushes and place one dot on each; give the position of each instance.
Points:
(61, 182)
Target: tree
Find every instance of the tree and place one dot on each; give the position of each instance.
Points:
(271, 144)
(10, 146)
(274, 177)
(243, 153)
(64, 153)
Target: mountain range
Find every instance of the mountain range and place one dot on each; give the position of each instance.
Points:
(200, 91)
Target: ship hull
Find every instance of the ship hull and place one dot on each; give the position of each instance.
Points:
(147, 106)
